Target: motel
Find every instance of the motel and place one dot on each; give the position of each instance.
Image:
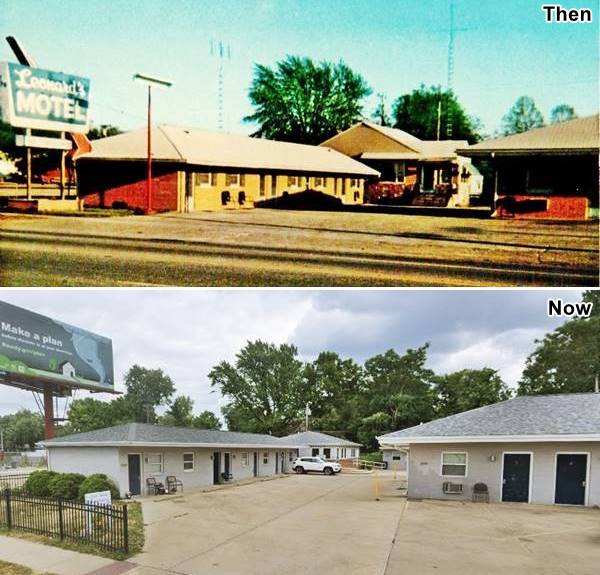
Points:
(316, 444)
(546, 173)
(413, 171)
(195, 170)
(135, 455)
(531, 449)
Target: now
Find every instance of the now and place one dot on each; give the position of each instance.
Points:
(558, 308)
